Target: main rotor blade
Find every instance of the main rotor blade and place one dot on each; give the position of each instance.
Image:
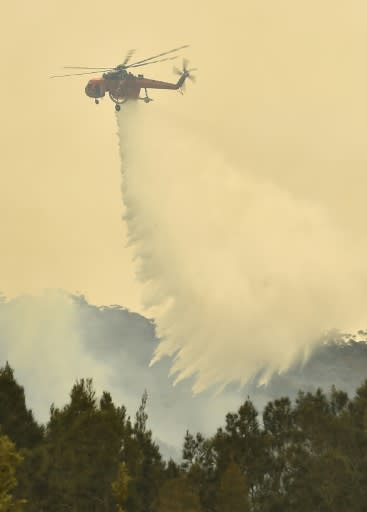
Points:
(159, 55)
(130, 53)
(78, 67)
(153, 62)
(76, 74)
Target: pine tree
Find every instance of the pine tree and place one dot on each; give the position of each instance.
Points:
(280, 436)
(16, 420)
(83, 442)
(177, 495)
(144, 463)
(233, 491)
(242, 441)
(199, 462)
(120, 488)
(10, 459)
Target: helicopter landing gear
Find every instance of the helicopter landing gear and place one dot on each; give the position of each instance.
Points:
(117, 107)
(96, 101)
(146, 98)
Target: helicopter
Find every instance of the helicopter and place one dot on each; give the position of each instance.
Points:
(122, 85)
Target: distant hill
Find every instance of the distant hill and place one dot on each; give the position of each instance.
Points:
(118, 344)
(341, 362)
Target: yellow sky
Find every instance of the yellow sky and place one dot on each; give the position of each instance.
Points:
(281, 91)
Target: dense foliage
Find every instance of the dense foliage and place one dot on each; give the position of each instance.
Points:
(310, 455)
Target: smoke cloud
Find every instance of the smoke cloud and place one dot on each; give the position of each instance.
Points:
(41, 339)
(240, 276)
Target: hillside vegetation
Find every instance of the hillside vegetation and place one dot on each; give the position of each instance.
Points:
(305, 455)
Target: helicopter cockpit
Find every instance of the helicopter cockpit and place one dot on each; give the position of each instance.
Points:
(93, 89)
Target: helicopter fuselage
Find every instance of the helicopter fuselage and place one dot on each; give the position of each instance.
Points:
(126, 86)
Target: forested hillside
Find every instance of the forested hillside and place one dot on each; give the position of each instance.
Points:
(304, 455)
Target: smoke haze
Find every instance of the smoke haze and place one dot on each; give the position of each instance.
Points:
(41, 339)
(213, 241)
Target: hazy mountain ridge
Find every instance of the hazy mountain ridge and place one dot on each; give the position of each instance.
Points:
(339, 361)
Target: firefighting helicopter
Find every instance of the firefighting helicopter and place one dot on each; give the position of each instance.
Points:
(122, 85)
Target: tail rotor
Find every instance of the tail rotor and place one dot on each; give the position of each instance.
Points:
(185, 72)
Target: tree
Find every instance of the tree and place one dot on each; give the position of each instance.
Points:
(232, 494)
(33, 478)
(16, 420)
(10, 459)
(243, 442)
(319, 473)
(172, 469)
(144, 462)
(280, 437)
(358, 407)
(177, 495)
(120, 488)
(356, 444)
(83, 450)
(199, 462)
(141, 416)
